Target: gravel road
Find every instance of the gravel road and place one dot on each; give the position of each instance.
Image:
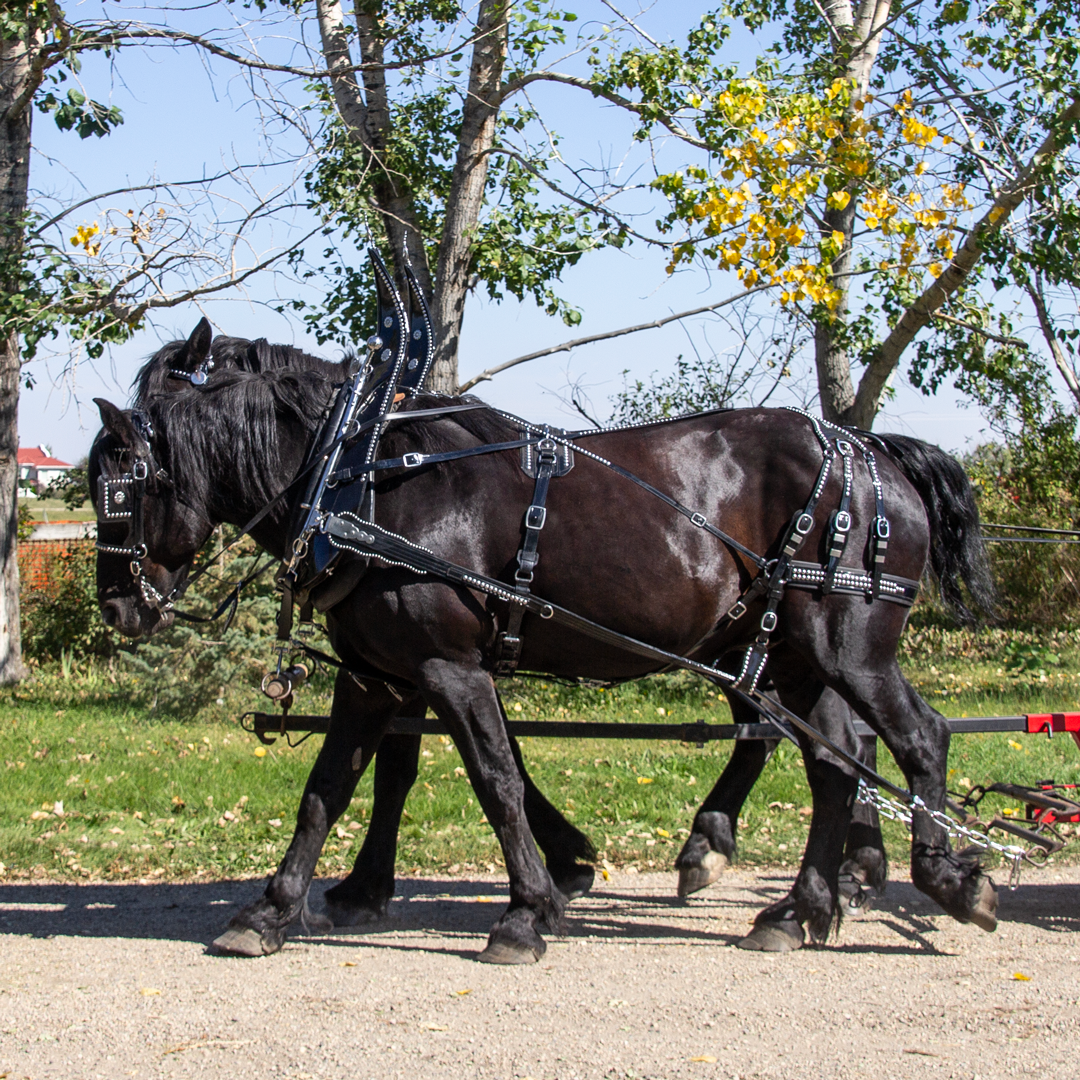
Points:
(115, 981)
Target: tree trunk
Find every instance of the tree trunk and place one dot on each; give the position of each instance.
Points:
(14, 180)
(476, 137)
(856, 36)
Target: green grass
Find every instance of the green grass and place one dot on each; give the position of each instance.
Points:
(145, 796)
(56, 510)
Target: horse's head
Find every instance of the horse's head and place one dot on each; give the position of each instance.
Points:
(146, 536)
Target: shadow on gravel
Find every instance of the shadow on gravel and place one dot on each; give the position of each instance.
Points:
(198, 911)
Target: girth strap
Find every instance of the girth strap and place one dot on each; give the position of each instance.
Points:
(508, 643)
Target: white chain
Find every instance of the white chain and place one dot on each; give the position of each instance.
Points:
(897, 811)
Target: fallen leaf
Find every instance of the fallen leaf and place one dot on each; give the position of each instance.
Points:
(147, 991)
(1021, 977)
(662, 832)
(644, 780)
(462, 993)
(436, 1027)
(259, 751)
(1015, 745)
(348, 963)
(607, 876)
(274, 822)
(921, 1053)
(708, 1058)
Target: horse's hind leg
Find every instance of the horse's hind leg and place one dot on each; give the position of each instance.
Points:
(812, 901)
(712, 842)
(865, 866)
(358, 720)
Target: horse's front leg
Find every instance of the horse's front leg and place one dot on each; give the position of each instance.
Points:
(464, 699)
(358, 719)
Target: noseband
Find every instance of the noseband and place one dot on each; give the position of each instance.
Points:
(121, 499)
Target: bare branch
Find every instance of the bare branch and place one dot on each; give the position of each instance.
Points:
(981, 331)
(887, 356)
(566, 346)
(676, 129)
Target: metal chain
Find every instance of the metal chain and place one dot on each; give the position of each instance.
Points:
(893, 810)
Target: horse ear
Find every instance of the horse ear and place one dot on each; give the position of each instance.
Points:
(197, 348)
(116, 422)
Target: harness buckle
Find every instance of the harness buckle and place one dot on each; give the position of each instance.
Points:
(140, 470)
(845, 447)
(768, 622)
(881, 528)
(736, 611)
(842, 524)
(698, 519)
(805, 523)
(412, 459)
(535, 517)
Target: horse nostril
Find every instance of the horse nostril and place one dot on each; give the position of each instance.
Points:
(110, 613)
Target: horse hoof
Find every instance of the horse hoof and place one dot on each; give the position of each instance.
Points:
(852, 899)
(243, 941)
(346, 915)
(693, 879)
(506, 952)
(577, 882)
(984, 913)
(785, 936)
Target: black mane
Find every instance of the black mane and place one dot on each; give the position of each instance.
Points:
(230, 353)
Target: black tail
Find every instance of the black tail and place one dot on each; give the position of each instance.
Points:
(957, 550)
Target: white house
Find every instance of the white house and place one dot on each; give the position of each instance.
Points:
(38, 468)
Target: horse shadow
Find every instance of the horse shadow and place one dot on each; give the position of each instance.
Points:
(465, 908)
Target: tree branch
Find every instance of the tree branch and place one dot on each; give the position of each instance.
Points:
(566, 346)
(887, 355)
(981, 331)
(676, 129)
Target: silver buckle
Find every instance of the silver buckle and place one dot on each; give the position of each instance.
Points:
(140, 470)
(411, 460)
(698, 520)
(768, 622)
(535, 517)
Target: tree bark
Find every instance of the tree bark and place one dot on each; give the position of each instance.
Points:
(856, 35)
(15, 73)
(475, 140)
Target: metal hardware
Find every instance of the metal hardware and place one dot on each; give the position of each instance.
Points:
(699, 520)
(140, 470)
(881, 528)
(411, 460)
(804, 525)
(768, 622)
(535, 517)
(737, 610)
(842, 524)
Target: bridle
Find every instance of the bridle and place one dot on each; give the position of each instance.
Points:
(120, 498)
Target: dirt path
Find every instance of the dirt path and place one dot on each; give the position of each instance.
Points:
(114, 981)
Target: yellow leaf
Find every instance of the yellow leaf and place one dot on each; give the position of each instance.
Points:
(1015, 745)
(462, 993)
(708, 1058)
(837, 200)
(348, 963)
(260, 751)
(607, 876)
(1020, 977)
(146, 991)
(662, 832)
(644, 779)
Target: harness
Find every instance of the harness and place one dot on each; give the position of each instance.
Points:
(337, 514)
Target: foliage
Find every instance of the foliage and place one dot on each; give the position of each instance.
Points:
(73, 487)
(63, 617)
(26, 523)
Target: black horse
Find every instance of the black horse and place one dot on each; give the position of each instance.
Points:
(611, 552)
(365, 894)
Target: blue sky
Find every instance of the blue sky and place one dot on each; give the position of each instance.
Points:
(183, 120)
